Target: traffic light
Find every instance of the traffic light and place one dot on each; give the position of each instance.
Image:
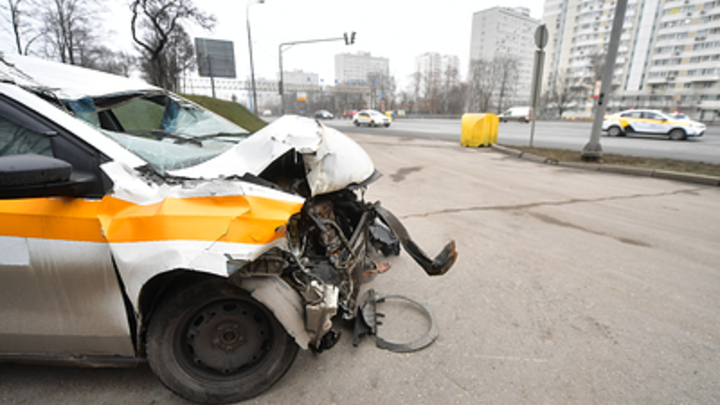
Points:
(349, 40)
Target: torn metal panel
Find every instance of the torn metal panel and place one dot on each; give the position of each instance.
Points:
(333, 160)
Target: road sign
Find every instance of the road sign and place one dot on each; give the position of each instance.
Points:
(215, 58)
(541, 36)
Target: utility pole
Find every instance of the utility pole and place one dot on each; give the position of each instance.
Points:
(592, 152)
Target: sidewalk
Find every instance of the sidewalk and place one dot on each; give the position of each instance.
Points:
(634, 171)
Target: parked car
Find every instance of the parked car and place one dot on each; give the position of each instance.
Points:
(521, 114)
(137, 226)
(350, 113)
(323, 115)
(651, 122)
(371, 118)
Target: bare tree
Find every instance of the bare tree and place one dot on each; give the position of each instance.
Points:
(67, 29)
(562, 96)
(382, 87)
(506, 71)
(16, 14)
(162, 22)
(104, 59)
(482, 84)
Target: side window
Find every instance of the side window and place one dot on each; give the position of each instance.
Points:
(16, 139)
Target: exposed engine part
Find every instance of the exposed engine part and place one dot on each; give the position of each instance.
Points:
(435, 267)
(367, 324)
(321, 307)
(383, 239)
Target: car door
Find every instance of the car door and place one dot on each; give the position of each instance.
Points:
(363, 117)
(656, 123)
(59, 291)
(635, 121)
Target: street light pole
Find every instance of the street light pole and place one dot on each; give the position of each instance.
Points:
(349, 40)
(253, 108)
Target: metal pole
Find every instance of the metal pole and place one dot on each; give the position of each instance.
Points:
(593, 151)
(212, 79)
(253, 107)
(280, 51)
(282, 83)
(537, 86)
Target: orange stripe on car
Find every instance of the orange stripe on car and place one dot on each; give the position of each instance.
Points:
(239, 219)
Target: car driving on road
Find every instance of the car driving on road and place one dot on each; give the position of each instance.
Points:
(651, 122)
(371, 118)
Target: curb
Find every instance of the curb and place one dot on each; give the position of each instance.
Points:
(633, 171)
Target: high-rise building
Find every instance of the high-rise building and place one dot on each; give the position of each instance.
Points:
(434, 67)
(668, 59)
(359, 67)
(502, 32)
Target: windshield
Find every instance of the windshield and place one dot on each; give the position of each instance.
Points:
(168, 132)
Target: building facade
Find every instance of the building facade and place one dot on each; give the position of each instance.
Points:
(435, 68)
(668, 59)
(502, 32)
(353, 68)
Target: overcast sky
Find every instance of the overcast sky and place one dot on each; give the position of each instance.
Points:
(398, 30)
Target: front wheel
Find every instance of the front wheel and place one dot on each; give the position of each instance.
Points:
(614, 131)
(357, 124)
(677, 134)
(214, 343)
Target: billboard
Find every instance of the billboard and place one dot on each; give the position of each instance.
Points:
(215, 58)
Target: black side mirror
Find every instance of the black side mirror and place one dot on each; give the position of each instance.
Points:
(33, 176)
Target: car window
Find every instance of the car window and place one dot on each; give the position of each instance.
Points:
(632, 114)
(15, 139)
(653, 116)
(168, 132)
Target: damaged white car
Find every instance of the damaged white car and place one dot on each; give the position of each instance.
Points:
(135, 225)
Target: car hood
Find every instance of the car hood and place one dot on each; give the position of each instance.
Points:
(333, 161)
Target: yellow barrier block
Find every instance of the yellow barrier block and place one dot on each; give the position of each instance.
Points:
(479, 130)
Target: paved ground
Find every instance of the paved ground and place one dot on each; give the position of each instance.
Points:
(571, 287)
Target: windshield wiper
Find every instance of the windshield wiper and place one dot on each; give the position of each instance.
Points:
(159, 134)
(219, 135)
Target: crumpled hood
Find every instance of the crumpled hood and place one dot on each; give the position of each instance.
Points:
(333, 160)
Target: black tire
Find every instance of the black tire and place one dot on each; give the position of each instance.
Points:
(357, 124)
(387, 125)
(213, 343)
(677, 134)
(614, 131)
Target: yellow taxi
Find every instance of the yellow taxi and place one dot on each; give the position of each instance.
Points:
(651, 122)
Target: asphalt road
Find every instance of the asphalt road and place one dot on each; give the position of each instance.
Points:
(572, 287)
(573, 135)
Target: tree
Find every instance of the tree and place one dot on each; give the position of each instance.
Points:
(482, 84)
(104, 59)
(562, 96)
(67, 29)
(506, 71)
(164, 40)
(20, 22)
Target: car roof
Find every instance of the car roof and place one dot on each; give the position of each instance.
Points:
(65, 81)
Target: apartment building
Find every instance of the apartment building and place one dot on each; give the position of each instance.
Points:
(434, 67)
(357, 67)
(669, 55)
(506, 32)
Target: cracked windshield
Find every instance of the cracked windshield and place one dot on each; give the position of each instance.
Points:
(168, 132)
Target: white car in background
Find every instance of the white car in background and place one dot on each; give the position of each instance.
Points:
(371, 118)
(652, 122)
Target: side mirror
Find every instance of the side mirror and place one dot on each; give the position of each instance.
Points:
(34, 176)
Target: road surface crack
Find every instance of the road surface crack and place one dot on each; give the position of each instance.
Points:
(547, 203)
